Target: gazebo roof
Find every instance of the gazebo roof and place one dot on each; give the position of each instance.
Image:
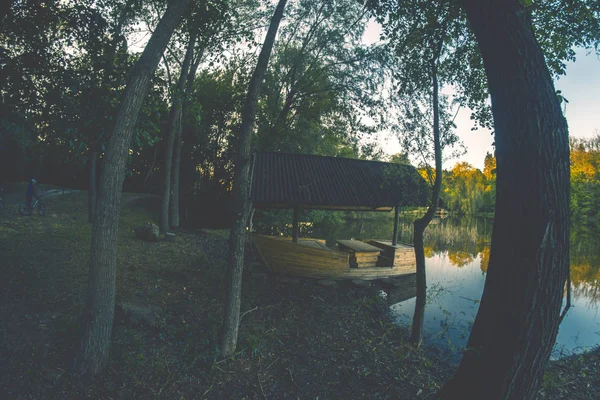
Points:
(281, 180)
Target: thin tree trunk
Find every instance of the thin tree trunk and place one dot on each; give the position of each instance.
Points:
(517, 323)
(416, 335)
(240, 192)
(175, 202)
(151, 169)
(98, 312)
(93, 160)
(172, 133)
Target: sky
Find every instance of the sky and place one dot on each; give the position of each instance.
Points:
(580, 86)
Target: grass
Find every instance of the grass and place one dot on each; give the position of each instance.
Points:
(297, 340)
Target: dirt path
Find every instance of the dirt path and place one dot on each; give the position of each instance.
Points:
(15, 193)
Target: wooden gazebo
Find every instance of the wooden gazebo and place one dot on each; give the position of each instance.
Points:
(313, 182)
(299, 181)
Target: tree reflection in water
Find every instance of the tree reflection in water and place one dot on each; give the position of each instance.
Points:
(458, 253)
(464, 244)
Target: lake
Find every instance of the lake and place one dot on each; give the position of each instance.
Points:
(457, 253)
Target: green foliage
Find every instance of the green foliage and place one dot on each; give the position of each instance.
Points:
(323, 84)
(464, 188)
(585, 183)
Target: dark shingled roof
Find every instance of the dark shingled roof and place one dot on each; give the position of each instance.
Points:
(283, 180)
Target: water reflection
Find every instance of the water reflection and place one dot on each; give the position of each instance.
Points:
(458, 253)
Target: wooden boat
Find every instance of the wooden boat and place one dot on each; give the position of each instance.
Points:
(353, 259)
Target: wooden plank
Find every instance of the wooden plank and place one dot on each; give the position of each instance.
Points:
(358, 246)
(365, 258)
(317, 254)
(363, 265)
(270, 245)
(288, 239)
(313, 243)
(387, 245)
(373, 254)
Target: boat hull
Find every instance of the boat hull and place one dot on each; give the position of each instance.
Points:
(311, 258)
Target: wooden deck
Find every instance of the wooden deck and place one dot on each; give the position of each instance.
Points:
(312, 258)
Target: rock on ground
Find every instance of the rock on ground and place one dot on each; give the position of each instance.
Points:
(327, 283)
(148, 232)
(361, 283)
(137, 314)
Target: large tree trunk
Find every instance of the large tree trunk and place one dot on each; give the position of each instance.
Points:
(241, 183)
(98, 312)
(172, 132)
(416, 336)
(100, 114)
(93, 160)
(517, 323)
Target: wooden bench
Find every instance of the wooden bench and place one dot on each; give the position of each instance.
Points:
(358, 246)
(362, 254)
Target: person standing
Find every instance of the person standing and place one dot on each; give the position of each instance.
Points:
(31, 192)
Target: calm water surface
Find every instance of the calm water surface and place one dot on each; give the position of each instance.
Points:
(457, 252)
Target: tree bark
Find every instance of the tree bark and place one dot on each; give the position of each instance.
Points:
(98, 312)
(93, 160)
(172, 132)
(416, 335)
(517, 323)
(241, 184)
(174, 202)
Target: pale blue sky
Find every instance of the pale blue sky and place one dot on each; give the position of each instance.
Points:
(580, 86)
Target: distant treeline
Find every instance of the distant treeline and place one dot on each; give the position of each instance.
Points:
(466, 190)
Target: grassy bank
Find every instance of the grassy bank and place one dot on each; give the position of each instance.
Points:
(297, 339)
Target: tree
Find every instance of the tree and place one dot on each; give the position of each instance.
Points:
(417, 41)
(420, 224)
(464, 189)
(217, 25)
(98, 312)
(241, 182)
(322, 92)
(531, 229)
(103, 53)
(173, 128)
(516, 326)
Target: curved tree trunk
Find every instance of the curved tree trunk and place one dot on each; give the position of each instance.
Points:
(517, 323)
(241, 184)
(100, 117)
(173, 127)
(98, 312)
(416, 335)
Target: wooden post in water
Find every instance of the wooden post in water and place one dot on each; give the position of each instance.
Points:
(295, 227)
(395, 236)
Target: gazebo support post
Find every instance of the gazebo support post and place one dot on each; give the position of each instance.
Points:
(295, 227)
(395, 236)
